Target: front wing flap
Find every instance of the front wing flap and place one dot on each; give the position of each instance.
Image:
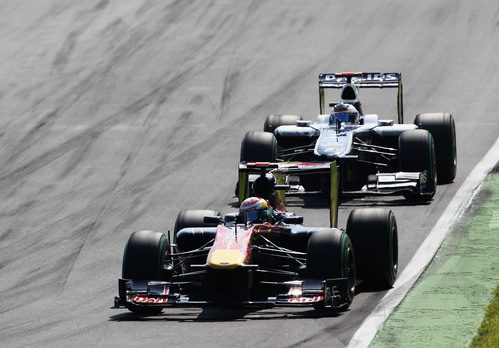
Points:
(394, 183)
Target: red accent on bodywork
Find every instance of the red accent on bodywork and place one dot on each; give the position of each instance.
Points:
(349, 74)
(262, 164)
(266, 228)
(226, 239)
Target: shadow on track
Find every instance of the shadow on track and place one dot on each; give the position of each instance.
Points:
(314, 202)
(317, 202)
(224, 314)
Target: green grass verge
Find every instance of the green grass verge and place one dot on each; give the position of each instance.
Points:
(446, 305)
(488, 332)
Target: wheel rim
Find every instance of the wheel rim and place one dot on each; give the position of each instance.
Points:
(348, 265)
(433, 159)
(161, 255)
(394, 249)
(349, 271)
(454, 152)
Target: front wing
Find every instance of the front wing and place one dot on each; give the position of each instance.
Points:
(378, 184)
(330, 293)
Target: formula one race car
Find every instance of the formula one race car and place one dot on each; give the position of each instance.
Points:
(374, 156)
(258, 256)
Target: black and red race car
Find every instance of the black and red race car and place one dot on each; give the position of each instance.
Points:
(248, 261)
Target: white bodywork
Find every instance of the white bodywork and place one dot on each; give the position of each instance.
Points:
(335, 143)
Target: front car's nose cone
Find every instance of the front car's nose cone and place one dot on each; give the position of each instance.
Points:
(225, 259)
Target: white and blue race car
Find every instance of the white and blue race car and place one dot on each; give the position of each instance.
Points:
(374, 156)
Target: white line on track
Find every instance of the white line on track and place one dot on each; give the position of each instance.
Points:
(373, 323)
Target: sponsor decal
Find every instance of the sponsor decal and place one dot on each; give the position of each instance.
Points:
(375, 77)
(380, 77)
(333, 78)
(145, 299)
(305, 299)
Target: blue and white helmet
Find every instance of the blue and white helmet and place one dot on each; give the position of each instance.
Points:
(344, 113)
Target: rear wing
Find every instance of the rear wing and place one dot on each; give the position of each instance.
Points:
(363, 80)
(281, 171)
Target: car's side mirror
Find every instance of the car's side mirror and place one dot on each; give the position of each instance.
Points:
(302, 123)
(293, 220)
(212, 219)
(230, 218)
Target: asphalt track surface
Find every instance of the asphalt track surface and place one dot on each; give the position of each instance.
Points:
(114, 115)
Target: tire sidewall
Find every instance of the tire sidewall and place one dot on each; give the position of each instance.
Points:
(443, 129)
(374, 236)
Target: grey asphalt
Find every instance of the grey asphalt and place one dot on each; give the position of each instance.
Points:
(115, 115)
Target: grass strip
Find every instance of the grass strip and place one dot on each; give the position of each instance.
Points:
(447, 303)
(488, 332)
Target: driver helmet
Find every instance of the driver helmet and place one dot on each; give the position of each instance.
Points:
(256, 209)
(344, 113)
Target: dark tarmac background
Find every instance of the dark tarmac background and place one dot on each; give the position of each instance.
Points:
(115, 115)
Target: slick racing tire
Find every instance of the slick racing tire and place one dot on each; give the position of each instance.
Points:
(443, 129)
(190, 241)
(274, 121)
(193, 218)
(417, 154)
(144, 255)
(374, 237)
(143, 259)
(258, 147)
(330, 255)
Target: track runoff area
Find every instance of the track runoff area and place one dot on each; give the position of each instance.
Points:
(431, 287)
(448, 302)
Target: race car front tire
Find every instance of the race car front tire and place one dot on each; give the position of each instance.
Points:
(417, 154)
(258, 147)
(330, 255)
(374, 237)
(143, 259)
(274, 121)
(443, 129)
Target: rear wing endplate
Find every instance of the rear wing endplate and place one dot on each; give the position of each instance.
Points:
(363, 80)
(281, 171)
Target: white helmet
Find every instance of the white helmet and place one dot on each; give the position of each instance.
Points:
(344, 113)
(255, 209)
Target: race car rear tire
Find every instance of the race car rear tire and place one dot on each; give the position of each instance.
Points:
(193, 218)
(258, 147)
(374, 237)
(443, 129)
(274, 121)
(330, 255)
(143, 259)
(417, 154)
